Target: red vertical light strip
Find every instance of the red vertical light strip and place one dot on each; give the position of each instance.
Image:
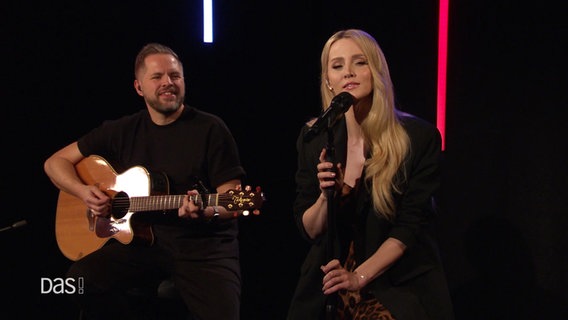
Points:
(442, 68)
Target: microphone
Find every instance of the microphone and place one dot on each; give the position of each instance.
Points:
(338, 106)
(14, 225)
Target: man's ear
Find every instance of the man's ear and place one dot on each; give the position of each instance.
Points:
(138, 87)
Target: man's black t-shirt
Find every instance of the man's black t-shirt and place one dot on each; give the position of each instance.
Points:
(198, 145)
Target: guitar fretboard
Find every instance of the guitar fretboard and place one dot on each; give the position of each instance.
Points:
(167, 202)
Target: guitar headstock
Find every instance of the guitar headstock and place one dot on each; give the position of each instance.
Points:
(244, 201)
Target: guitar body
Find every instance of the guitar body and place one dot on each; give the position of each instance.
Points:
(79, 233)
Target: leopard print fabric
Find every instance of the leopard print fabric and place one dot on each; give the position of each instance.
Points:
(355, 305)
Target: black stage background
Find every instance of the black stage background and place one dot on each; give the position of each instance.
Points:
(67, 65)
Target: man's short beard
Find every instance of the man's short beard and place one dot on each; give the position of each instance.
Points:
(170, 111)
(165, 110)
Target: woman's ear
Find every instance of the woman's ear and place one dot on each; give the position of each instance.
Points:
(328, 85)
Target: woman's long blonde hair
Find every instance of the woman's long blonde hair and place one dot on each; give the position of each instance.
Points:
(384, 135)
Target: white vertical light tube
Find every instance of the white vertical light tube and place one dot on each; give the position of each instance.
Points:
(208, 21)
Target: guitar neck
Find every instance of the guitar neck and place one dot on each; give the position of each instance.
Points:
(168, 202)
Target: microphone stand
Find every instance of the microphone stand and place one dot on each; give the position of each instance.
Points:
(331, 299)
(339, 105)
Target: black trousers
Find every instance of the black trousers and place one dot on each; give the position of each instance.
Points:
(210, 288)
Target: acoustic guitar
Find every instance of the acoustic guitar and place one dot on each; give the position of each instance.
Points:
(79, 232)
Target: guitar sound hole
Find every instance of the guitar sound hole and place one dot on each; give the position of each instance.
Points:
(120, 205)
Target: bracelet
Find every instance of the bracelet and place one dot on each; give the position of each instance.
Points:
(361, 277)
(215, 214)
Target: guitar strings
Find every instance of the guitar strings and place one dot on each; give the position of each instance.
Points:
(161, 202)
